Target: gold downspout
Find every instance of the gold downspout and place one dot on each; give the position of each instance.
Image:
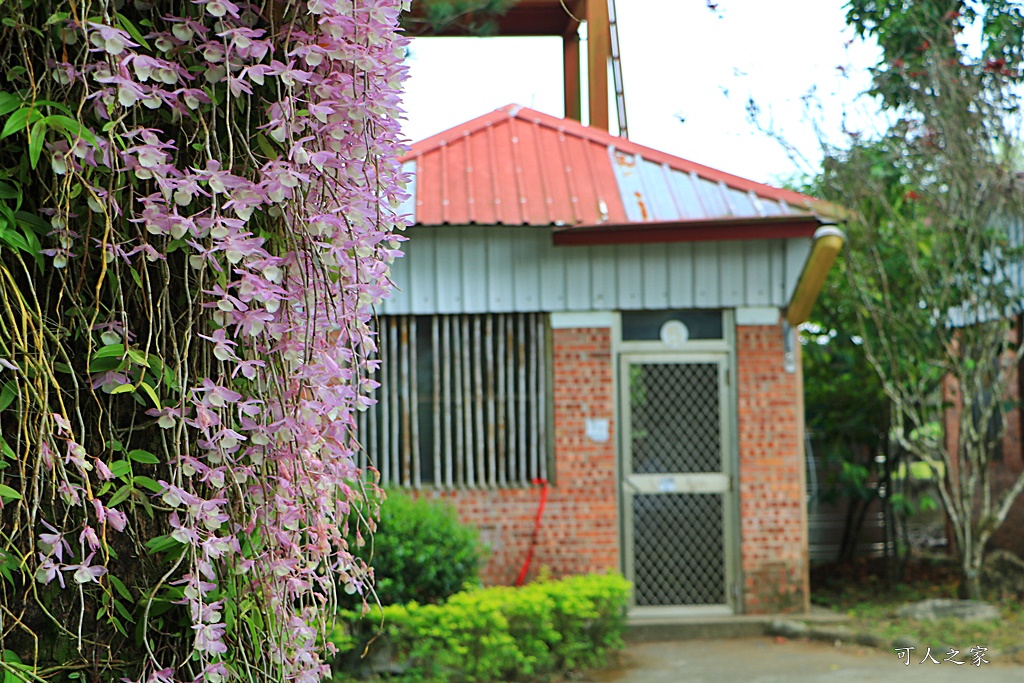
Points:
(828, 240)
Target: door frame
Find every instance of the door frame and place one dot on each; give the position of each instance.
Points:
(721, 351)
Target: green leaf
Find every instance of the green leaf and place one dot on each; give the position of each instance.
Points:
(9, 191)
(72, 129)
(20, 120)
(161, 544)
(123, 389)
(132, 31)
(36, 138)
(7, 493)
(149, 391)
(120, 468)
(145, 457)
(138, 357)
(8, 103)
(122, 589)
(110, 351)
(120, 495)
(8, 394)
(148, 483)
(7, 451)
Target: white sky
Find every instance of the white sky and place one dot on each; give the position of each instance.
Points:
(680, 60)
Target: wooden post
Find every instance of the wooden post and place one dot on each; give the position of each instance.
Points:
(599, 50)
(571, 74)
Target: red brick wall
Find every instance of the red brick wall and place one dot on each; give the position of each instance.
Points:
(580, 529)
(773, 514)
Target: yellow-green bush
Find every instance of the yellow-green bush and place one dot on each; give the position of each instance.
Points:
(491, 634)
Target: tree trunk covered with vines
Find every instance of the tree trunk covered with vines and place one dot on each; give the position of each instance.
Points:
(198, 209)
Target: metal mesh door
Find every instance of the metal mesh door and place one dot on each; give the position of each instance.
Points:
(675, 485)
(675, 421)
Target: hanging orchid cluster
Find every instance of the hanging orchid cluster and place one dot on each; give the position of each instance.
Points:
(198, 202)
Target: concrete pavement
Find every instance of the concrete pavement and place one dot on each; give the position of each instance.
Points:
(780, 660)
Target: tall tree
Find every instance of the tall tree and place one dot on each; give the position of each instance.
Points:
(934, 256)
(197, 211)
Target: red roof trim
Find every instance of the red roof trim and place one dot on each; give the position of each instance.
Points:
(717, 230)
(576, 129)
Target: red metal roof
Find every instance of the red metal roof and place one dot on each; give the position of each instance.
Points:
(517, 166)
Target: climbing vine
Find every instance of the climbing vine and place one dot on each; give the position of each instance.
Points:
(198, 205)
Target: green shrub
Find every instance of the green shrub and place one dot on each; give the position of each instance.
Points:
(493, 634)
(421, 552)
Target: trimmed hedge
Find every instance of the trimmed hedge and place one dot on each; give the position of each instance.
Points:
(420, 551)
(490, 634)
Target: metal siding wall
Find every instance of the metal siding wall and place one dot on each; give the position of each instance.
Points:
(681, 274)
(705, 274)
(629, 277)
(654, 258)
(474, 275)
(500, 270)
(525, 267)
(447, 269)
(797, 251)
(603, 295)
(499, 275)
(421, 287)
(552, 281)
(732, 274)
(757, 269)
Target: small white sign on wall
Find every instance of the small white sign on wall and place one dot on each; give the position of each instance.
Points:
(597, 430)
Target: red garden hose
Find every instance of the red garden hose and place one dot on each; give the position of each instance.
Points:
(536, 530)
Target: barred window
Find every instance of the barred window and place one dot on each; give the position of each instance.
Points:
(462, 402)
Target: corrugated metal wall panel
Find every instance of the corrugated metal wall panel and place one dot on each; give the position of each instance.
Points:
(421, 287)
(499, 284)
(629, 277)
(552, 281)
(447, 273)
(577, 278)
(705, 272)
(681, 274)
(526, 269)
(731, 273)
(603, 280)
(655, 276)
(474, 275)
(758, 273)
(501, 270)
(796, 255)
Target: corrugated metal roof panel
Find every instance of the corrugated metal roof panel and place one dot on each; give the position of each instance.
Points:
(517, 166)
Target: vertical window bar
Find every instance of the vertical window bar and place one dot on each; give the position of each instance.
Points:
(415, 405)
(492, 475)
(403, 389)
(372, 441)
(467, 393)
(435, 348)
(542, 402)
(521, 394)
(531, 335)
(499, 360)
(460, 450)
(478, 401)
(446, 358)
(395, 419)
(510, 339)
(383, 455)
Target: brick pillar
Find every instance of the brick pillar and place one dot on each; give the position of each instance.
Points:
(773, 511)
(580, 532)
